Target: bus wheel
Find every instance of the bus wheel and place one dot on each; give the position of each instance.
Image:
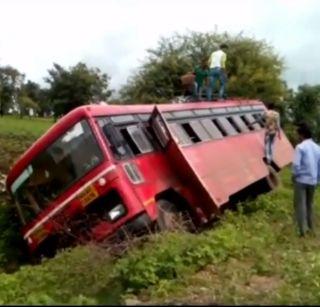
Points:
(273, 178)
(169, 217)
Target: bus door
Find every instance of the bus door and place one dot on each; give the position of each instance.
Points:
(193, 186)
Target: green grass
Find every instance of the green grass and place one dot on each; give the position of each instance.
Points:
(24, 126)
(253, 257)
(16, 135)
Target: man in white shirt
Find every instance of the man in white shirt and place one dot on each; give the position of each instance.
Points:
(217, 65)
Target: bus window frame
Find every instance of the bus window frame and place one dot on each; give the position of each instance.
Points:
(138, 128)
(204, 118)
(212, 134)
(258, 116)
(130, 154)
(239, 123)
(252, 120)
(179, 134)
(226, 126)
(196, 126)
(95, 135)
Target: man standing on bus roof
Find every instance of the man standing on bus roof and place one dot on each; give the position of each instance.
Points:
(187, 84)
(217, 65)
(272, 126)
(305, 177)
(201, 73)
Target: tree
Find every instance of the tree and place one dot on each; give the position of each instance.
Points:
(253, 68)
(39, 96)
(11, 81)
(73, 87)
(26, 103)
(305, 106)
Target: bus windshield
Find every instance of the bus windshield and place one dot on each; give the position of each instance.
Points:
(55, 169)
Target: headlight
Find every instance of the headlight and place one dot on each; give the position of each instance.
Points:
(116, 212)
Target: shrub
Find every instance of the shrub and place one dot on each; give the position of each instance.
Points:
(73, 276)
(12, 246)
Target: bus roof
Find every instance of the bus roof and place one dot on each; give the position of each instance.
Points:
(104, 109)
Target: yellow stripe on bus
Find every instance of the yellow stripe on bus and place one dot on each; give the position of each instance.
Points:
(149, 201)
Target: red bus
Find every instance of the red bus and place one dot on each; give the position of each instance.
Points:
(106, 169)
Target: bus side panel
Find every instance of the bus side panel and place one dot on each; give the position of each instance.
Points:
(190, 179)
(227, 166)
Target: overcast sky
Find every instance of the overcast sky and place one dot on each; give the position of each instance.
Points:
(114, 34)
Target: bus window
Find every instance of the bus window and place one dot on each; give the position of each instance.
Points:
(136, 139)
(233, 124)
(224, 125)
(199, 130)
(238, 123)
(259, 118)
(66, 160)
(160, 131)
(212, 129)
(140, 138)
(191, 133)
(180, 134)
(152, 136)
(115, 139)
(247, 122)
(250, 119)
(219, 126)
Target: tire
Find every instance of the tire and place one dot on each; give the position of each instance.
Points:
(169, 217)
(272, 179)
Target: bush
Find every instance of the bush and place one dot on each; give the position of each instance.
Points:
(73, 276)
(175, 255)
(291, 133)
(12, 245)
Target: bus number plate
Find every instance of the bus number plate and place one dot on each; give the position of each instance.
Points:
(88, 195)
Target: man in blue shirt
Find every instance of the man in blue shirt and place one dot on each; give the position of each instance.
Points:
(306, 175)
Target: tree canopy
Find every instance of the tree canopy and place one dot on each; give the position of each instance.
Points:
(73, 87)
(39, 96)
(253, 68)
(11, 81)
(68, 88)
(305, 107)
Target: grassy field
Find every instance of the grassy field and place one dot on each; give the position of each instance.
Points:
(17, 126)
(252, 256)
(16, 135)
